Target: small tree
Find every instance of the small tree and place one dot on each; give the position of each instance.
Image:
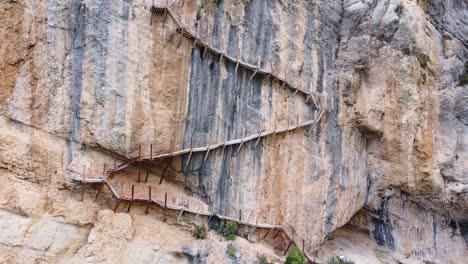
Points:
(228, 229)
(295, 257)
(200, 232)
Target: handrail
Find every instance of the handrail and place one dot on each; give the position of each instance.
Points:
(221, 144)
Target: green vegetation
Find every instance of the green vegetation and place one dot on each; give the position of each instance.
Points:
(227, 229)
(423, 60)
(217, 3)
(464, 75)
(199, 232)
(296, 257)
(231, 251)
(339, 260)
(399, 9)
(262, 260)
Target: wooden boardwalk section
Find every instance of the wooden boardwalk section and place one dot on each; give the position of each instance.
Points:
(153, 201)
(221, 145)
(166, 11)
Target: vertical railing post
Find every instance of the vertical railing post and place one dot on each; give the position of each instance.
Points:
(149, 163)
(165, 207)
(131, 201)
(149, 200)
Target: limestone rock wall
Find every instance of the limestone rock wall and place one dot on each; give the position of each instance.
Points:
(82, 81)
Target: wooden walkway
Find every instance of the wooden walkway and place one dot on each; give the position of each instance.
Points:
(153, 201)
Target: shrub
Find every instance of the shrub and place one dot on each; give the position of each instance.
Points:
(295, 257)
(231, 251)
(217, 3)
(228, 229)
(200, 232)
(262, 260)
(339, 260)
(399, 9)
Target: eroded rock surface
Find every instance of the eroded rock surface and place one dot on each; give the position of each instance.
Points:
(383, 178)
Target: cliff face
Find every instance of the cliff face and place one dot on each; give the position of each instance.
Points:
(382, 178)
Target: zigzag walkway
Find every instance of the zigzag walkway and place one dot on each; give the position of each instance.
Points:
(149, 200)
